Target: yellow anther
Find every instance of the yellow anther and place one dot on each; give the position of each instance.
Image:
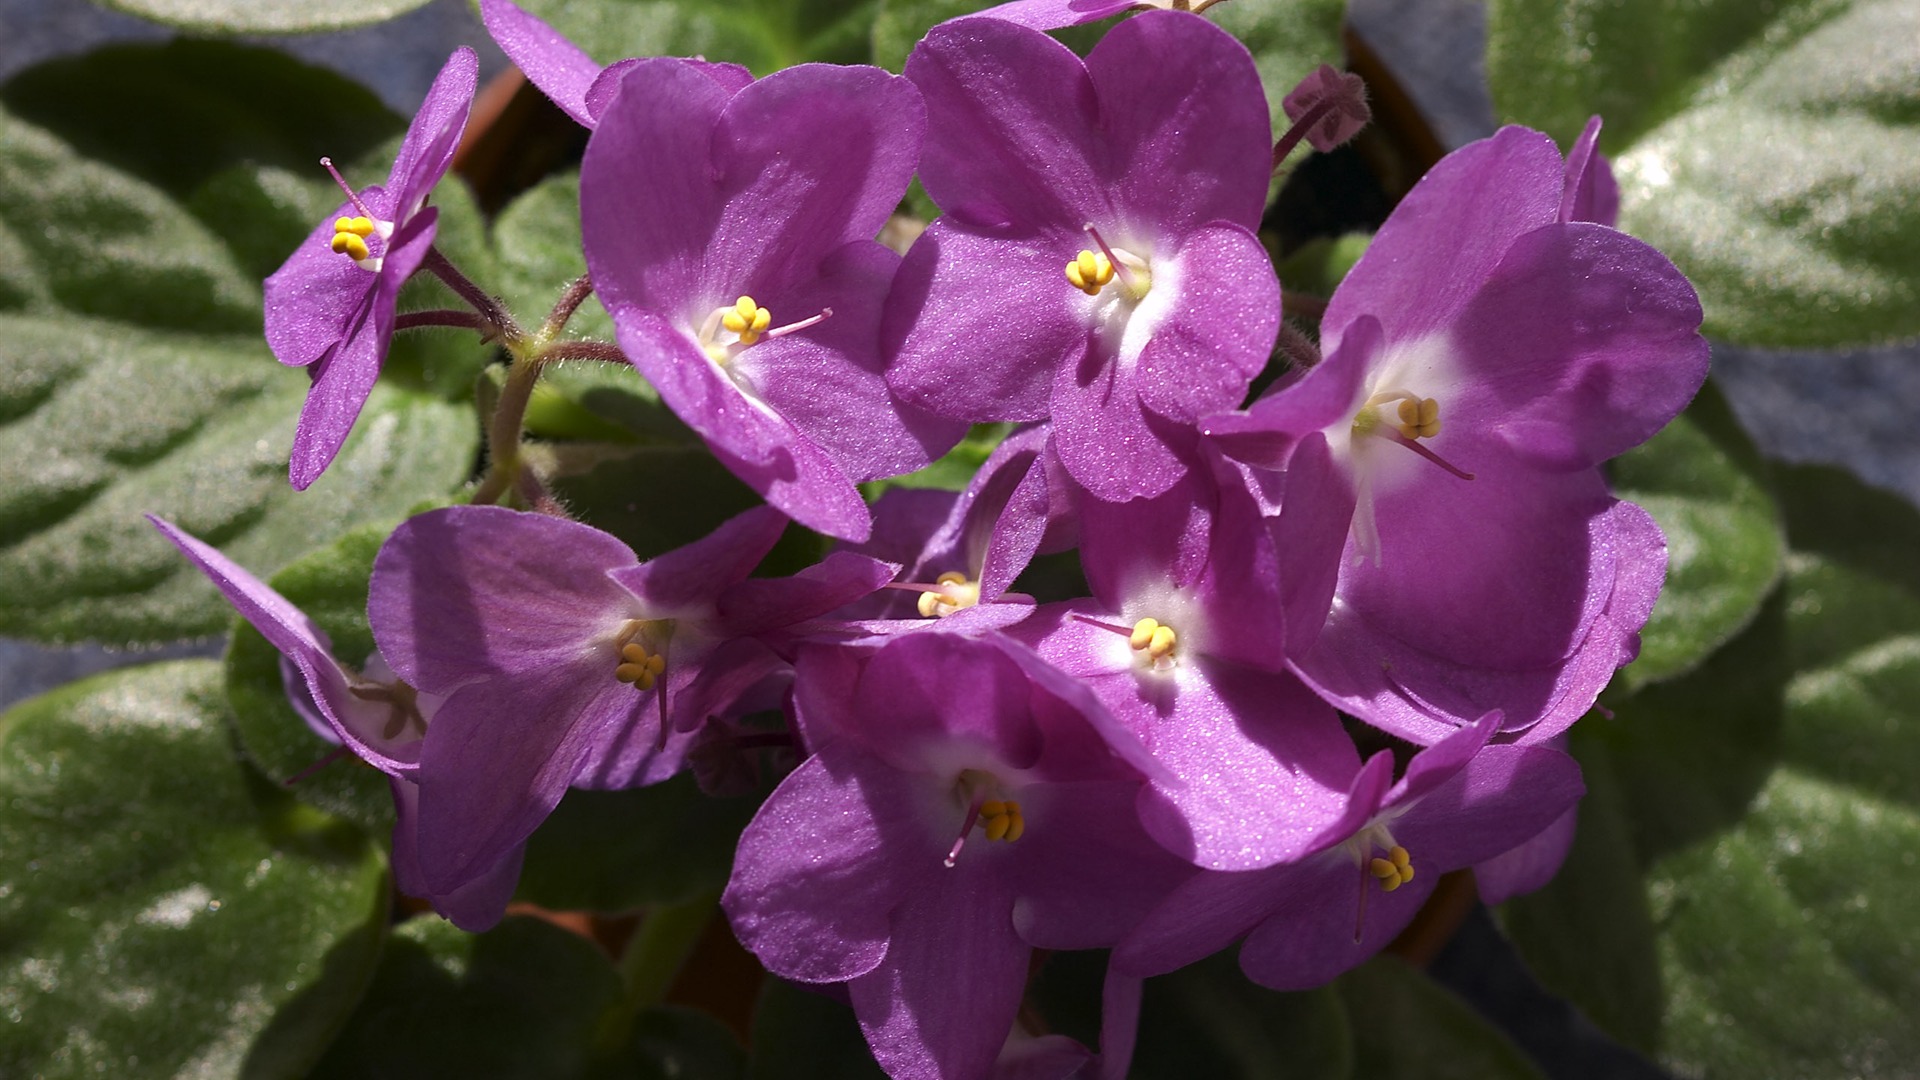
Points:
(1393, 871)
(747, 319)
(955, 592)
(1419, 419)
(638, 666)
(1001, 820)
(1152, 638)
(350, 237)
(1089, 272)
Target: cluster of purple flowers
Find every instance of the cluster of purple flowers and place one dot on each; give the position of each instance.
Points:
(1413, 532)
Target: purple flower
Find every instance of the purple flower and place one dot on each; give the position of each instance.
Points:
(565, 73)
(964, 805)
(330, 306)
(1460, 802)
(563, 661)
(1096, 261)
(1184, 643)
(374, 714)
(1483, 358)
(730, 235)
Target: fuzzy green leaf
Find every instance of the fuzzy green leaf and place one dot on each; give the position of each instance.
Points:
(163, 910)
(1772, 150)
(265, 16)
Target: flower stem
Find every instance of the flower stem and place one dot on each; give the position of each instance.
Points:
(1315, 113)
(659, 948)
(466, 320)
(503, 430)
(570, 301)
(490, 309)
(583, 350)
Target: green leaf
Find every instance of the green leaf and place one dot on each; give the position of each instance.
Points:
(1772, 150)
(613, 851)
(1588, 936)
(163, 910)
(1704, 482)
(1406, 1026)
(330, 585)
(655, 498)
(764, 35)
(265, 16)
(109, 423)
(523, 999)
(538, 236)
(133, 379)
(1773, 799)
(1207, 1019)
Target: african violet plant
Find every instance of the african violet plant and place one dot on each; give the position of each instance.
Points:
(984, 602)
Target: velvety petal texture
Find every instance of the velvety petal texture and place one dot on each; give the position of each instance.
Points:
(334, 314)
(696, 197)
(1152, 158)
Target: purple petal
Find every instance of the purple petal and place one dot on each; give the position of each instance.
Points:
(1013, 115)
(1591, 193)
(1199, 918)
(1620, 356)
(814, 880)
(557, 66)
(1085, 871)
(1326, 394)
(1310, 937)
(1119, 1022)
(344, 377)
(731, 78)
(358, 724)
(1448, 234)
(648, 201)
(499, 754)
(691, 577)
(809, 159)
(317, 296)
(944, 998)
(1219, 330)
(1314, 521)
(1184, 121)
(434, 134)
(474, 907)
(1042, 1057)
(1261, 765)
(1441, 762)
(963, 344)
(1108, 442)
(1530, 866)
(762, 605)
(827, 381)
(938, 703)
(468, 592)
(1054, 14)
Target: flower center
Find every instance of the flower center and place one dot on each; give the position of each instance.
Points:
(1092, 271)
(642, 647)
(953, 593)
(350, 234)
(403, 708)
(998, 817)
(1415, 418)
(743, 323)
(1156, 640)
(1391, 871)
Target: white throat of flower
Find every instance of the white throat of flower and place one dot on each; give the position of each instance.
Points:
(1394, 423)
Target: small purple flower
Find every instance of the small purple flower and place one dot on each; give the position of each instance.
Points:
(730, 235)
(1096, 261)
(1485, 356)
(1461, 801)
(964, 805)
(330, 307)
(1184, 643)
(377, 716)
(563, 661)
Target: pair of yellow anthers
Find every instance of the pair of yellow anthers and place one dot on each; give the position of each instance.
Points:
(1090, 272)
(1393, 871)
(955, 592)
(638, 666)
(350, 237)
(1153, 638)
(1001, 820)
